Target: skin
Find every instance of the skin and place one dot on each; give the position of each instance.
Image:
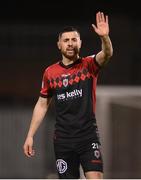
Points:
(39, 112)
(70, 44)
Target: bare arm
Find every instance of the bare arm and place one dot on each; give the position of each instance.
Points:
(102, 29)
(39, 112)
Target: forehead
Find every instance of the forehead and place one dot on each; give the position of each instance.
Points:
(71, 34)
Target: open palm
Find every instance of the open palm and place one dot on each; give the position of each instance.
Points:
(102, 25)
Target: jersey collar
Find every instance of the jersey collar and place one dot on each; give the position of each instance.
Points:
(70, 65)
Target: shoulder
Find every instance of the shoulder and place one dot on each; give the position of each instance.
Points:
(91, 59)
(52, 67)
(88, 59)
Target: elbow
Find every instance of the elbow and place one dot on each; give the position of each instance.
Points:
(107, 57)
(109, 54)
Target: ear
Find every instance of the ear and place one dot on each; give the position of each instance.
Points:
(58, 44)
(80, 43)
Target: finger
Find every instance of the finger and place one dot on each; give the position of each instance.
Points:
(102, 17)
(33, 152)
(107, 19)
(28, 154)
(26, 151)
(30, 150)
(94, 27)
(98, 18)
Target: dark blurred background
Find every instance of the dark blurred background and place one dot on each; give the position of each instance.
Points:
(28, 36)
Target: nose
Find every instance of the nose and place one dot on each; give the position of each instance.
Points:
(70, 43)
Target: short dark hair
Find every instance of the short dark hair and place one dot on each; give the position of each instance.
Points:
(68, 29)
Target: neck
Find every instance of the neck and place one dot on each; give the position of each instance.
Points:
(67, 61)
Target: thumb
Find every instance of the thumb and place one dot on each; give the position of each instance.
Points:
(94, 27)
(30, 150)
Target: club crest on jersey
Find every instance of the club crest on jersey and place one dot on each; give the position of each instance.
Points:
(65, 82)
(61, 166)
(97, 154)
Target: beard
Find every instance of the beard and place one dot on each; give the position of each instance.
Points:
(70, 54)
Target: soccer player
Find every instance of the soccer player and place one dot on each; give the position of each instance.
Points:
(72, 82)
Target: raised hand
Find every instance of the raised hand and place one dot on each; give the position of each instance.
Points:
(102, 25)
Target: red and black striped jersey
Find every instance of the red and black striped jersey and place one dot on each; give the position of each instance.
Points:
(74, 89)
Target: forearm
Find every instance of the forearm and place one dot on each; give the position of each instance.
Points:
(106, 52)
(107, 48)
(37, 116)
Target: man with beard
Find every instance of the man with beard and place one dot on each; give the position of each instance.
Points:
(72, 83)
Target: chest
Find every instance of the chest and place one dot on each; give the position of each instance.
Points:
(65, 79)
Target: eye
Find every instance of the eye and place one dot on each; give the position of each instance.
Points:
(74, 40)
(65, 40)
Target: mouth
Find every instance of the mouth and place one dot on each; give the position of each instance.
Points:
(70, 50)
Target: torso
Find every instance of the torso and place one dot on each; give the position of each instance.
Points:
(73, 87)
